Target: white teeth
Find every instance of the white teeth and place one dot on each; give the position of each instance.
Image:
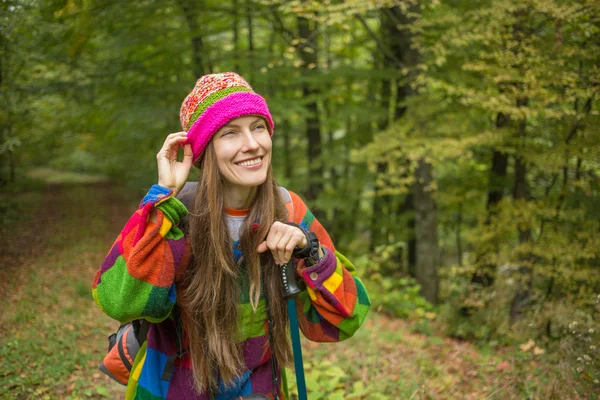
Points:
(250, 162)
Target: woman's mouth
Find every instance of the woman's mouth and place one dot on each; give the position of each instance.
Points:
(252, 163)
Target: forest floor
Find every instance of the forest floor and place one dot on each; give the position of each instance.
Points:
(52, 335)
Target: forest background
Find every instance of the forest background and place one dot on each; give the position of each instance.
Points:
(450, 147)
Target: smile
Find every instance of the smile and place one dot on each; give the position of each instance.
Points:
(250, 163)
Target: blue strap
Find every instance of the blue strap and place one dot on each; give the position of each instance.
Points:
(298, 366)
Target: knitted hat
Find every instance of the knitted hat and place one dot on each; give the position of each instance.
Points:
(215, 100)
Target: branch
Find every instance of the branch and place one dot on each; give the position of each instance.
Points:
(282, 29)
(382, 47)
(308, 40)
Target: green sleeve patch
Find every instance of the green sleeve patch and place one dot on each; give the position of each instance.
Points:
(142, 393)
(308, 309)
(350, 325)
(120, 295)
(174, 233)
(159, 306)
(361, 293)
(173, 209)
(308, 218)
(349, 266)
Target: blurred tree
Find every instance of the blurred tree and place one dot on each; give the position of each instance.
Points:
(308, 52)
(467, 130)
(191, 12)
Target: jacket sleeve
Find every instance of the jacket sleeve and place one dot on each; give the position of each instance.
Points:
(335, 302)
(137, 278)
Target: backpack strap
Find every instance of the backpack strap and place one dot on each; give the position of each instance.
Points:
(289, 204)
(140, 330)
(186, 195)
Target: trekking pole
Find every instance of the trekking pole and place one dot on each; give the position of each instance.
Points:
(290, 290)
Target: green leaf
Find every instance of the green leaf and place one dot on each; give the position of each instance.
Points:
(103, 391)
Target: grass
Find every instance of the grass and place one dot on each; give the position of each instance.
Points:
(53, 176)
(52, 336)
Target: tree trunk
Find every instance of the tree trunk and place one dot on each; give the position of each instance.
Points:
(459, 245)
(520, 193)
(308, 53)
(250, 25)
(486, 272)
(236, 37)
(426, 232)
(11, 163)
(3, 127)
(399, 40)
(191, 11)
(408, 206)
(287, 151)
(380, 210)
(396, 43)
(521, 298)
(496, 183)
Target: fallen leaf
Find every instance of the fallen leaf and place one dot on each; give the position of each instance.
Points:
(537, 351)
(503, 366)
(527, 346)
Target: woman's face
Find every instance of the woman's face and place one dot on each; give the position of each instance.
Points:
(243, 151)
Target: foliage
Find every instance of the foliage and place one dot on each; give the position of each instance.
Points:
(94, 87)
(325, 380)
(472, 314)
(529, 64)
(580, 346)
(391, 292)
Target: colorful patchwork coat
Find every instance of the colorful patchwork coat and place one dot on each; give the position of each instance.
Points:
(138, 280)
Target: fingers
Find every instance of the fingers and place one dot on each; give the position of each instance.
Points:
(262, 247)
(283, 255)
(171, 146)
(281, 241)
(188, 154)
(273, 244)
(171, 173)
(288, 249)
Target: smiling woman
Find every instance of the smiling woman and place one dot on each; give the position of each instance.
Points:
(243, 153)
(207, 280)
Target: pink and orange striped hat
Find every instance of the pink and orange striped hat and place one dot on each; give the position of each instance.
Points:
(215, 100)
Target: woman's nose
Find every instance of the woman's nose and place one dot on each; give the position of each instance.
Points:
(250, 142)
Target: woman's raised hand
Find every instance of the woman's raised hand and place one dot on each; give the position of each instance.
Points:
(281, 240)
(173, 174)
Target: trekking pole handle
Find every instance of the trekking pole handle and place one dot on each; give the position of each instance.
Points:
(288, 280)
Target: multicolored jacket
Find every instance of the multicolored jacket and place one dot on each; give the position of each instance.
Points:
(137, 280)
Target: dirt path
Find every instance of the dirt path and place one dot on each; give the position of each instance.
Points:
(47, 267)
(30, 240)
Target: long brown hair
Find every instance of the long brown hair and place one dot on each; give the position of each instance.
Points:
(210, 291)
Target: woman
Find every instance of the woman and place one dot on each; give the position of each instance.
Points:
(216, 271)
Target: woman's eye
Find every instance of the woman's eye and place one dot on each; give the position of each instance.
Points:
(260, 126)
(227, 133)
